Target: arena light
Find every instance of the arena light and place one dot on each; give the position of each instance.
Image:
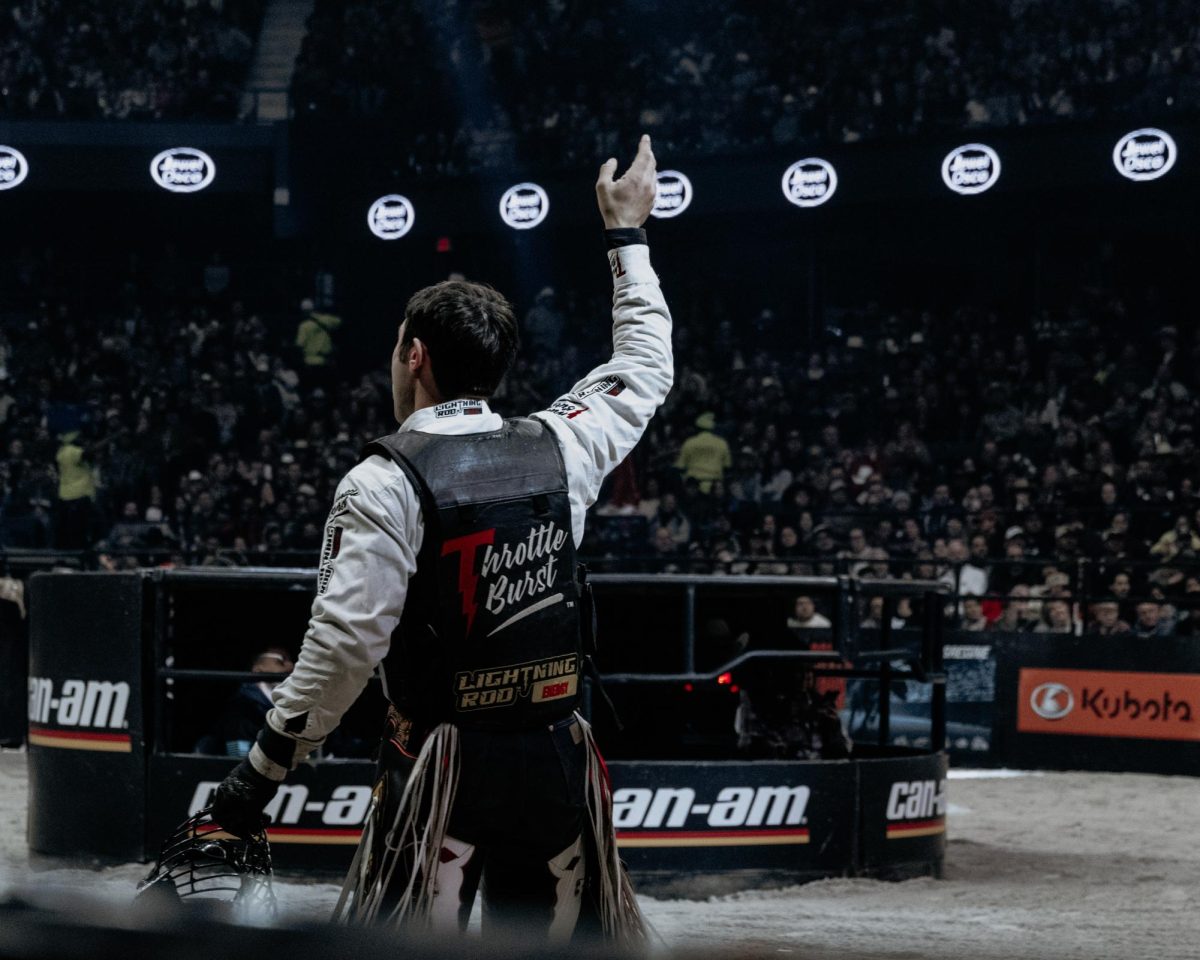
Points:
(1145, 154)
(971, 168)
(391, 216)
(183, 169)
(673, 194)
(809, 182)
(524, 206)
(14, 168)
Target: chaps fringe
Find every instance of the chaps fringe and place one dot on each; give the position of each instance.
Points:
(416, 842)
(411, 839)
(620, 916)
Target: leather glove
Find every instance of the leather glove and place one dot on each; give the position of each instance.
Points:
(238, 802)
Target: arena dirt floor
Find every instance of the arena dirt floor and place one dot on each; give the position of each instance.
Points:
(1039, 865)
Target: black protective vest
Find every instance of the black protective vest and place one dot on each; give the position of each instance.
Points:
(490, 634)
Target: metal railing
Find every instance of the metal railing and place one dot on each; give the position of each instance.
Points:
(886, 663)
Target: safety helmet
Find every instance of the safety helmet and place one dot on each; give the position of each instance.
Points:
(201, 864)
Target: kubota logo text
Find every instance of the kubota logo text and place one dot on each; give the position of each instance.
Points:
(1109, 703)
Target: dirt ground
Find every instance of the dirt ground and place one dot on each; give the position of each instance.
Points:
(1052, 865)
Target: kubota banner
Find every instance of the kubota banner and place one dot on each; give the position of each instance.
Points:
(1109, 703)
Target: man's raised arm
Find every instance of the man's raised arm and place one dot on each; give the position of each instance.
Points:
(605, 414)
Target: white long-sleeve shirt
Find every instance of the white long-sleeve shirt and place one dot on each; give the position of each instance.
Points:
(375, 529)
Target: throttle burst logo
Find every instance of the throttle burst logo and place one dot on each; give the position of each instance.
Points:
(468, 579)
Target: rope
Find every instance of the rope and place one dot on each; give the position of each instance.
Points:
(411, 838)
(620, 916)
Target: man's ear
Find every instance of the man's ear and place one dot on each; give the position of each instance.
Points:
(417, 355)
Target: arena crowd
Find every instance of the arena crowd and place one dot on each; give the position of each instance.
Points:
(132, 59)
(1027, 458)
(475, 85)
(549, 84)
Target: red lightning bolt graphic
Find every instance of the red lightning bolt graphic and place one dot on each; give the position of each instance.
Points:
(465, 547)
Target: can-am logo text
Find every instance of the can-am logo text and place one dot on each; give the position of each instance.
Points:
(673, 195)
(14, 168)
(391, 217)
(635, 807)
(809, 182)
(347, 806)
(917, 800)
(183, 169)
(79, 703)
(524, 206)
(1145, 154)
(971, 168)
(1052, 701)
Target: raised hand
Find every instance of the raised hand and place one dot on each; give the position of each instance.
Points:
(627, 202)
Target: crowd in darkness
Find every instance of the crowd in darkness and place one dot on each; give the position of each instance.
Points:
(551, 83)
(182, 426)
(481, 84)
(125, 59)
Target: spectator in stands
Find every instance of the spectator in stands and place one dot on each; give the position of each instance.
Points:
(244, 714)
(315, 342)
(650, 499)
(1180, 541)
(874, 618)
(670, 518)
(805, 616)
(789, 543)
(858, 553)
(980, 553)
(745, 481)
(973, 619)
(704, 456)
(964, 576)
(1106, 619)
(1017, 615)
(76, 493)
(1150, 621)
(1056, 618)
(1189, 608)
(1121, 589)
(824, 548)
(776, 478)
(1013, 569)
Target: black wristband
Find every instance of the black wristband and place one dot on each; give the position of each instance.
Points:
(624, 237)
(276, 747)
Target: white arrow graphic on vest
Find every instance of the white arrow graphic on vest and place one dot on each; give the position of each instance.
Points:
(534, 608)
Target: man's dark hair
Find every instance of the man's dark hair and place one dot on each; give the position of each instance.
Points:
(470, 333)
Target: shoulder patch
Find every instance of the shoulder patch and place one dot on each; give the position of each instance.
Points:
(330, 548)
(341, 503)
(566, 407)
(610, 386)
(458, 408)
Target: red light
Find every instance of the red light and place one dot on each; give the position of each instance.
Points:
(725, 678)
(688, 688)
(734, 688)
(443, 244)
